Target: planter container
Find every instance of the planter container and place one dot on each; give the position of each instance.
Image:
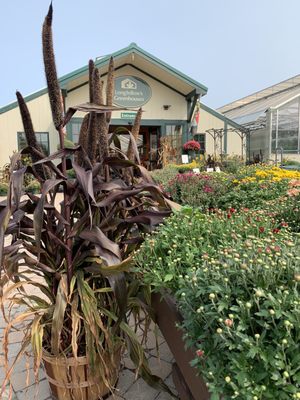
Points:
(189, 385)
(71, 379)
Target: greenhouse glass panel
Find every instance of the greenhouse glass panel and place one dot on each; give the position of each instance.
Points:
(274, 130)
(259, 143)
(288, 127)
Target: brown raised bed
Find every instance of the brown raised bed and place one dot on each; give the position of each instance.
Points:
(189, 385)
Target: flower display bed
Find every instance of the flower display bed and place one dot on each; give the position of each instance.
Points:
(235, 277)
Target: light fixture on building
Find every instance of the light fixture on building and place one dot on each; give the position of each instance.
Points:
(166, 106)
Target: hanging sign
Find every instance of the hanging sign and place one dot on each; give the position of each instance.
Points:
(131, 91)
(128, 115)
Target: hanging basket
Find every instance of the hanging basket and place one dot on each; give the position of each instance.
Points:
(72, 379)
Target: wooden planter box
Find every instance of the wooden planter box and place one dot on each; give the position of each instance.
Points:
(188, 384)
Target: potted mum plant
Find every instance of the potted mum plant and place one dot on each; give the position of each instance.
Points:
(77, 254)
(192, 146)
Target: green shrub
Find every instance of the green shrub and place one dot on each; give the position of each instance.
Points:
(164, 175)
(3, 188)
(232, 164)
(291, 162)
(33, 187)
(252, 194)
(71, 173)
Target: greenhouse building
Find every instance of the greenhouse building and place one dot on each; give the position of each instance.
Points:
(173, 111)
(272, 116)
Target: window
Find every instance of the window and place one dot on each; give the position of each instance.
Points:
(200, 137)
(285, 127)
(173, 142)
(74, 130)
(173, 130)
(41, 137)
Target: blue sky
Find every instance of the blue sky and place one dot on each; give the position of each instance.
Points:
(234, 47)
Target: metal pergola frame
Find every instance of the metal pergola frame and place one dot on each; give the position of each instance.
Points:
(244, 132)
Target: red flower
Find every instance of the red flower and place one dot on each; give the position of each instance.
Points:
(192, 145)
(261, 229)
(200, 353)
(228, 216)
(232, 210)
(207, 189)
(276, 230)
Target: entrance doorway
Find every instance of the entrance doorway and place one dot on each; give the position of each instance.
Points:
(148, 144)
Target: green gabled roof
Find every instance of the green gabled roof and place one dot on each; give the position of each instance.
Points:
(220, 116)
(132, 48)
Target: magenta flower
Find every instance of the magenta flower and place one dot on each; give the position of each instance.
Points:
(192, 145)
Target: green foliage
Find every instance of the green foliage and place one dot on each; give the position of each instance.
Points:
(3, 188)
(252, 194)
(71, 173)
(164, 175)
(232, 164)
(291, 162)
(33, 187)
(67, 143)
(287, 211)
(235, 277)
(188, 235)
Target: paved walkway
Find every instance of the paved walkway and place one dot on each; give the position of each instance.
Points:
(25, 388)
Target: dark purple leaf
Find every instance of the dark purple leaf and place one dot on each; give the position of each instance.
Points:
(149, 217)
(145, 174)
(17, 179)
(4, 219)
(118, 285)
(96, 236)
(85, 179)
(118, 195)
(58, 154)
(134, 148)
(117, 162)
(39, 210)
(115, 184)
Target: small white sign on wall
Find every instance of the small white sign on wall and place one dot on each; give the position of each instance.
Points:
(185, 159)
